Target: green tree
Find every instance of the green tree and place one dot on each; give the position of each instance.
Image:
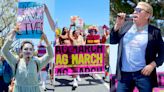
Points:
(7, 15)
(8, 12)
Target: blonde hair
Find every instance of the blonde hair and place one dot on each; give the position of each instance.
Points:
(147, 7)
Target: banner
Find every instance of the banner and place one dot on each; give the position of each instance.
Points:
(30, 18)
(82, 59)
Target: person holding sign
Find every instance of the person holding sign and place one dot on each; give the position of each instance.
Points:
(76, 40)
(140, 50)
(75, 37)
(27, 66)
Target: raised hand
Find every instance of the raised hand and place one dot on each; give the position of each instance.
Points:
(44, 37)
(11, 34)
(119, 21)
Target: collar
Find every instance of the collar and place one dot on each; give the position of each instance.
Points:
(142, 28)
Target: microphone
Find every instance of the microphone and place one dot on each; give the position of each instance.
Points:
(128, 16)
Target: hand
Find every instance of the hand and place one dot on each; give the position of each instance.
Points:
(147, 70)
(44, 37)
(119, 21)
(11, 34)
(60, 36)
(72, 24)
(16, 28)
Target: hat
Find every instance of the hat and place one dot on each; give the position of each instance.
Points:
(93, 28)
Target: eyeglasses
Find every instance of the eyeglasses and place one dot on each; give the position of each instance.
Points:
(138, 10)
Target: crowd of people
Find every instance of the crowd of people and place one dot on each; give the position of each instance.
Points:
(19, 73)
(78, 37)
(75, 35)
(140, 51)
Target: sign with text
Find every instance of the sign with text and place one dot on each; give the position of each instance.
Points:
(82, 59)
(30, 18)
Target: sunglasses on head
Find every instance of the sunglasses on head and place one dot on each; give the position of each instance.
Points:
(138, 10)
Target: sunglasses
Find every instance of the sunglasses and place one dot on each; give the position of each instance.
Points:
(138, 10)
(92, 31)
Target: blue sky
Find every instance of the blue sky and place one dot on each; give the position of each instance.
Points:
(91, 11)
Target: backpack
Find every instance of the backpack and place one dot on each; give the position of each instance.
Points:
(7, 72)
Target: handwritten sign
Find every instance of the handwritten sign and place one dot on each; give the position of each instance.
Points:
(77, 21)
(30, 16)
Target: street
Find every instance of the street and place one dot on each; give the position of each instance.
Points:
(87, 84)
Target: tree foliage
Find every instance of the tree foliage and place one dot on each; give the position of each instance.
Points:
(8, 12)
(7, 15)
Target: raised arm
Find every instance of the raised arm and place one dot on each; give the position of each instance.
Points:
(114, 36)
(50, 20)
(48, 56)
(9, 57)
(69, 34)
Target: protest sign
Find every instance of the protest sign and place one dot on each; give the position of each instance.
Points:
(30, 18)
(82, 59)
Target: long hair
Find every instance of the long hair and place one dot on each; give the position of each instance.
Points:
(63, 31)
